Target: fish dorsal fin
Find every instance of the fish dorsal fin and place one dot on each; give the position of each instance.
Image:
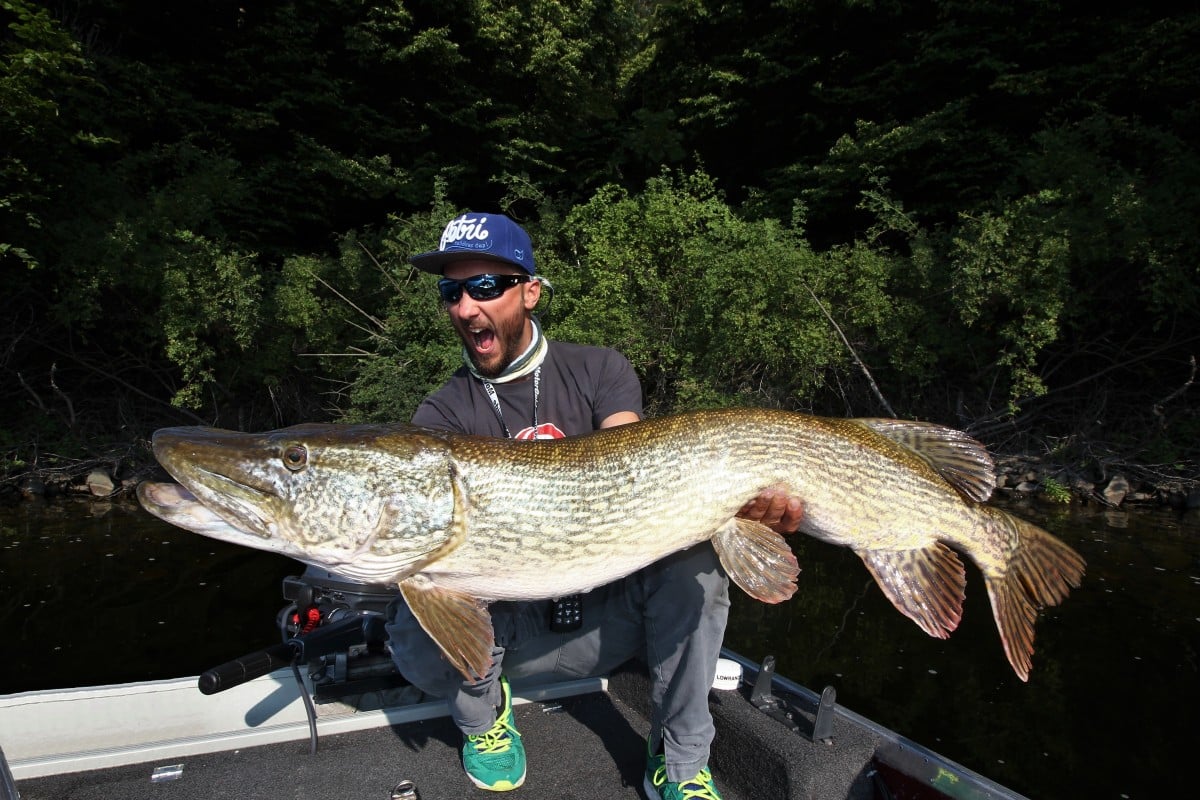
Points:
(927, 585)
(458, 622)
(961, 460)
(757, 559)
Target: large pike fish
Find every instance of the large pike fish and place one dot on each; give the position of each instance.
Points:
(457, 520)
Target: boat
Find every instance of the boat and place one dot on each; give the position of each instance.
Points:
(347, 726)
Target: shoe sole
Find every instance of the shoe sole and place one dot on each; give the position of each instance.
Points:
(501, 786)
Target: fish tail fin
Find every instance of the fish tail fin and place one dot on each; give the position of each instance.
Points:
(1040, 572)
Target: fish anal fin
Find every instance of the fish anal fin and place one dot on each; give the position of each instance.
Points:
(757, 559)
(962, 461)
(927, 585)
(458, 622)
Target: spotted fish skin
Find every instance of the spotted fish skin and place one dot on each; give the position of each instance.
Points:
(456, 521)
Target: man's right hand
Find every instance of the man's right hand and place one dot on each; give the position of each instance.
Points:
(776, 509)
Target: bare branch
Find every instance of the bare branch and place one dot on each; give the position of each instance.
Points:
(390, 278)
(1113, 366)
(36, 398)
(63, 395)
(338, 355)
(370, 317)
(1158, 407)
(109, 374)
(853, 354)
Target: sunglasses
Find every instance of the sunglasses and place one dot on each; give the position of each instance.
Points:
(479, 287)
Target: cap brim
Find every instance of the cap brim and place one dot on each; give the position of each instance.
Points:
(435, 262)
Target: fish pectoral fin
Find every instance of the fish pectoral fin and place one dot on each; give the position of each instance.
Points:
(757, 559)
(927, 585)
(962, 461)
(458, 622)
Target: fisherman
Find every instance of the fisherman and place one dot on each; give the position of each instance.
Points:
(516, 383)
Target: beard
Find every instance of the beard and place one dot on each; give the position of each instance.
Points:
(500, 344)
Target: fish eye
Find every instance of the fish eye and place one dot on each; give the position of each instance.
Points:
(295, 457)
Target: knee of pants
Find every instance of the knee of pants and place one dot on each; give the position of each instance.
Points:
(416, 655)
(691, 578)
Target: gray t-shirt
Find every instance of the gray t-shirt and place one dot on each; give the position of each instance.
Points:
(579, 387)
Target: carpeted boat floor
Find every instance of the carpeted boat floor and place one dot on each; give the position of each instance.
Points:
(586, 747)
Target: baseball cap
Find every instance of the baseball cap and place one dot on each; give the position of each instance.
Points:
(491, 237)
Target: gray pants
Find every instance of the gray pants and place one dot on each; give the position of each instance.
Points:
(671, 613)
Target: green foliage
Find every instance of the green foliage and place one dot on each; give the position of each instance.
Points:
(971, 208)
(710, 308)
(210, 310)
(1096, 234)
(1055, 491)
(43, 76)
(404, 347)
(1012, 279)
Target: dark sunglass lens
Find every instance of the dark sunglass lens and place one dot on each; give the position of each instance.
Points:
(480, 287)
(486, 287)
(451, 291)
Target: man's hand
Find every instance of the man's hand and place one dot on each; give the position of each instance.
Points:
(776, 509)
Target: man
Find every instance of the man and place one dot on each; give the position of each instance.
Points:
(516, 383)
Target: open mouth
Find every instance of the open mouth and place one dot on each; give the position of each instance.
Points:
(484, 341)
(238, 501)
(175, 504)
(168, 496)
(232, 520)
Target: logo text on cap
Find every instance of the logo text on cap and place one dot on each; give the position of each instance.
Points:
(464, 229)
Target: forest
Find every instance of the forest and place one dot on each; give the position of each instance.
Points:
(982, 213)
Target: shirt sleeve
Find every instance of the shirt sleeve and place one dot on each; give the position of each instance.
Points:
(429, 415)
(447, 409)
(618, 388)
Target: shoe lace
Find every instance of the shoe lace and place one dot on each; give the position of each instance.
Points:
(698, 788)
(497, 739)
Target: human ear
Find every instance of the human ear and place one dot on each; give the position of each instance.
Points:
(532, 293)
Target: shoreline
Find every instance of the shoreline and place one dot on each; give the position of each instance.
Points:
(1125, 484)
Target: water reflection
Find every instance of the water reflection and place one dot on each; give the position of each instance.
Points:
(1109, 710)
(105, 593)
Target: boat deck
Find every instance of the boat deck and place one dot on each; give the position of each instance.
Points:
(582, 747)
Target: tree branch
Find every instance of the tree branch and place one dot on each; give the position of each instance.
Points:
(853, 354)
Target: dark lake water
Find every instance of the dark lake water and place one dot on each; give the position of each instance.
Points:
(94, 593)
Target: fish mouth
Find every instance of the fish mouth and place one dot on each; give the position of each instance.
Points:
(257, 490)
(176, 504)
(171, 498)
(238, 502)
(210, 467)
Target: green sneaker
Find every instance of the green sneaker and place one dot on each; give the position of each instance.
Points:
(657, 786)
(495, 760)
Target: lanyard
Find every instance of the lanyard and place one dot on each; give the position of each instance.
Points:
(490, 390)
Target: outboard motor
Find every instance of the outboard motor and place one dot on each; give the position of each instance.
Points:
(332, 626)
(358, 662)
